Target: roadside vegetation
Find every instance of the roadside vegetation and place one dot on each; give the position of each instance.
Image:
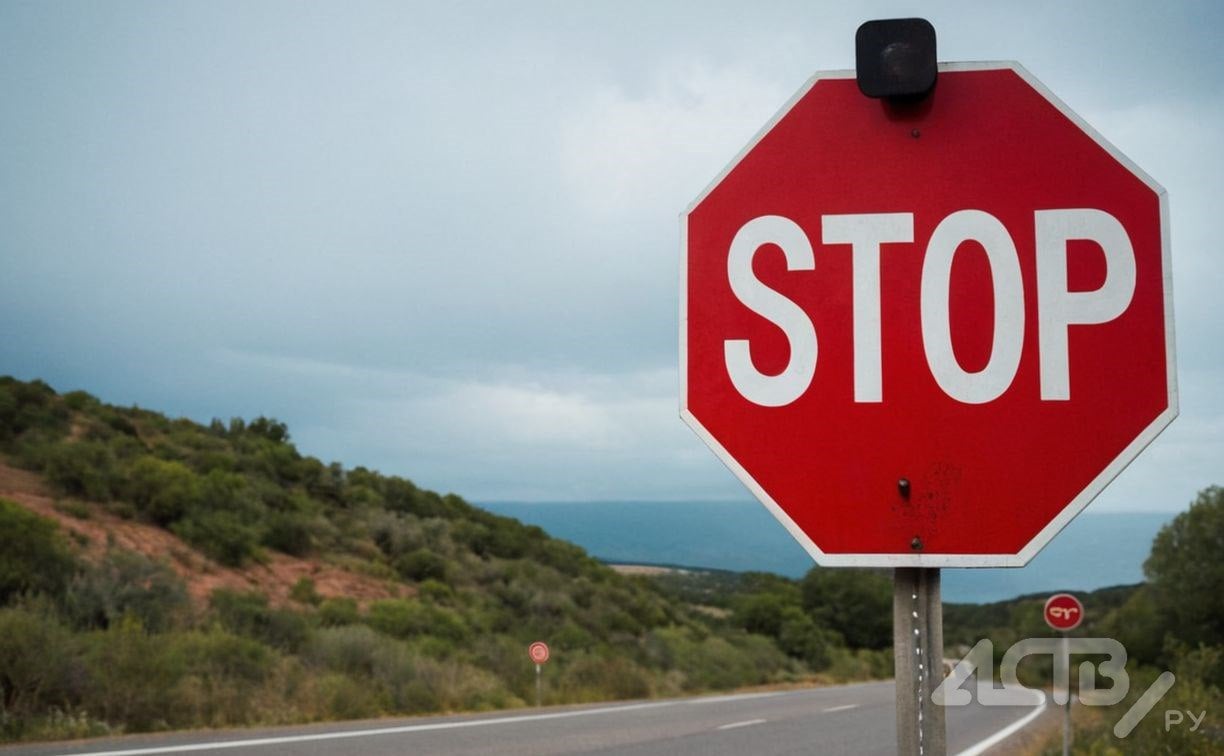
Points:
(99, 639)
(1173, 621)
(101, 635)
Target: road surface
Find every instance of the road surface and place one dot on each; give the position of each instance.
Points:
(846, 719)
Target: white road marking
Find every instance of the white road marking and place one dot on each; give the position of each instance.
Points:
(839, 708)
(981, 746)
(738, 697)
(189, 747)
(746, 723)
(337, 735)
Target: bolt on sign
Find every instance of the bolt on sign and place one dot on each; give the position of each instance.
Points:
(927, 334)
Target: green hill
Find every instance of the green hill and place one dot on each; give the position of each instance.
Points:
(180, 575)
(157, 573)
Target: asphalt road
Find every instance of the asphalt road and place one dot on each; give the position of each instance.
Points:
(849, 719)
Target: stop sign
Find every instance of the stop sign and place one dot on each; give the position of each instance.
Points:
(927, 335)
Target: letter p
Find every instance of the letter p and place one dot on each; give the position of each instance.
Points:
(1173, 717)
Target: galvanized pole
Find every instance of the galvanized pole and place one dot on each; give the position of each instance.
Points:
(918, 660)
(1066, 649)
(537, 686)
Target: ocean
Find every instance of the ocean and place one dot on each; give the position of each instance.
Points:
(1096, 550)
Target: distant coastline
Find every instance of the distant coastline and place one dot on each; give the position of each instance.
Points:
(1097, 550)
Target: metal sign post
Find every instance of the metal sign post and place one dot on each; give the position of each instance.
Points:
(918, 660)
(1064, 612)
(1066, 653)
(539, 653)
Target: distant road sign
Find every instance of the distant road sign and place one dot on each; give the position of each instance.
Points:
(538, 652)
(1063, 612)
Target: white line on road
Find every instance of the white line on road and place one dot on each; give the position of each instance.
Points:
(735, 697)
(981, 746)
(188, 747)
(839, 708)
(336, 735)
(746, 723)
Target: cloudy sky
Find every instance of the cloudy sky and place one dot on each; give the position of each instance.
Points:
(441, 239)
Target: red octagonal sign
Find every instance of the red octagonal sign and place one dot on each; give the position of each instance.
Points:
(927, 335)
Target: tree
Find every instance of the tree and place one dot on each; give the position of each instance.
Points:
(855, 603)
(1186, 573)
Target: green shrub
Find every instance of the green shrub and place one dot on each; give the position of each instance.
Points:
(335, 612)
(222, 656)
(304, 592)
(407, 618)
(222, 535)
(248, 614)
(162, 491)
(352, 650)
(346, 698)
(126, 583)
(129, 675)
(35, 557)
(38, 662)
(799, 636)
(32, 406)
(421, 564)
(82, 468)
(435, 591)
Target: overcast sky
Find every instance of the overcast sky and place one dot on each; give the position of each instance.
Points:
(441, 239)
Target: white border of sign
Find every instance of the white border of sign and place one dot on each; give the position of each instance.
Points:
(1077, 504)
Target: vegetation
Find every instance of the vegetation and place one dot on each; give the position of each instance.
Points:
(104, 640)
(113, 643)
(1174, 621)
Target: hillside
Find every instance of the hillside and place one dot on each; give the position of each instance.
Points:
(158, 573)
(192, 575)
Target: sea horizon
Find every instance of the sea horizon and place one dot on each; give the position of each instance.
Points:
(1096, 550)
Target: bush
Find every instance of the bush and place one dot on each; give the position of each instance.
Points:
(35, 557)
(591, 678)
(223, 656)
(222, 535)
(421, 564)
(129, 676)
(82, 468)
(37, 666)
(126, 583)
(352, 650)
(211, 678)
(407, 618)
(346, 698)
(248, 614)
(30, 406)
(304, 592)
(335, 612)
(289, 533)
(160, 490)
(803, 639)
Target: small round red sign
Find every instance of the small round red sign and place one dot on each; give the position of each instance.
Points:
(538, 652)
(1063, 611)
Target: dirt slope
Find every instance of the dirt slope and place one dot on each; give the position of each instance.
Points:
(275, 577)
